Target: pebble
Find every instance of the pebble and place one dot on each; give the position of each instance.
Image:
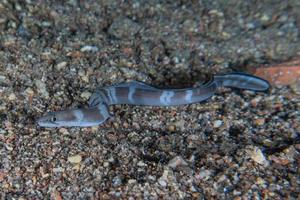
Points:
(162, 182)
(177, 161)
(257, 155)
(204, 175)
(89, 48)
(112, 137)
(56, 195)
(217, 123)
(190, 26)
(180, 125)
(131, 181)
(41, 86)
(12, 97)
(75, 159)
(9, 148)
(255, 101)
(151, 178)
(9, 41)
(267, 142)
(64, 131)
(2, 79)
(265, 18)
(29, 92)
(61, 65)
(279, 160)
(171, 128)
(260, 121)
(117, 181)
(141, 164)
(105, 164)
(85, 95)
(295, 88)
(123, 28)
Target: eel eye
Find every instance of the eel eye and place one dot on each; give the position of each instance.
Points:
(53, 119)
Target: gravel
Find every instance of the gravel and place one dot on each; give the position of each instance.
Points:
(238, 144)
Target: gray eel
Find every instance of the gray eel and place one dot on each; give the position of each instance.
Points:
(139, 93)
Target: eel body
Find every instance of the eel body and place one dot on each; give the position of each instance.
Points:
(139, 93)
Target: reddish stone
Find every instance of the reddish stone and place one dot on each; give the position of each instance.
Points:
(286, 73)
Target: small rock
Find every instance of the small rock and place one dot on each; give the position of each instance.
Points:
(29, 92)
(217, 123)
(190, 25)
(295, 88)
(265, 18)
(46, 55)
(56, 195)
(112, 137)
(85, 95)
(75, 159)
(131, 181)
(259, 121)
(204, 175)
(162, 182)
(58, 170)
(76, 167)
(64, 131)
(41, 86)
(177, 161)
(61, 65)
(291, 153)
(255, 101)
(123, 28)
(268, 142)
(257, 155)
(83, 76)
(222, 178)
(136, 125)
(280, 161)
(105, 164)
(9, 148)
(151, 178)
(237, 193)
(2, 79)
(9, 41)
(89, 48)
(180, 125)
(260, 181)
(171, 128)
(117, 181)
(111, 159)
(141, 164)
(2, 175)
(12, 97)
(2, 108)
(76, 54)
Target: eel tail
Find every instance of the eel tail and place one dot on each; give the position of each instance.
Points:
(242, 81)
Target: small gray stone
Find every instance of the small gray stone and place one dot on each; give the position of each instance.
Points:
(2, 79)
(217, 123)
(89, 48)
(177, 161)
(117, 181)
(162, 182)
(204, 175)
(123, 28)
(41, 86)
(61, 65)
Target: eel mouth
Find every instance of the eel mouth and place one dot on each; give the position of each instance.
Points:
(45, 121)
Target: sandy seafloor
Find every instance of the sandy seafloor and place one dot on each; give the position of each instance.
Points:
(236, 145)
